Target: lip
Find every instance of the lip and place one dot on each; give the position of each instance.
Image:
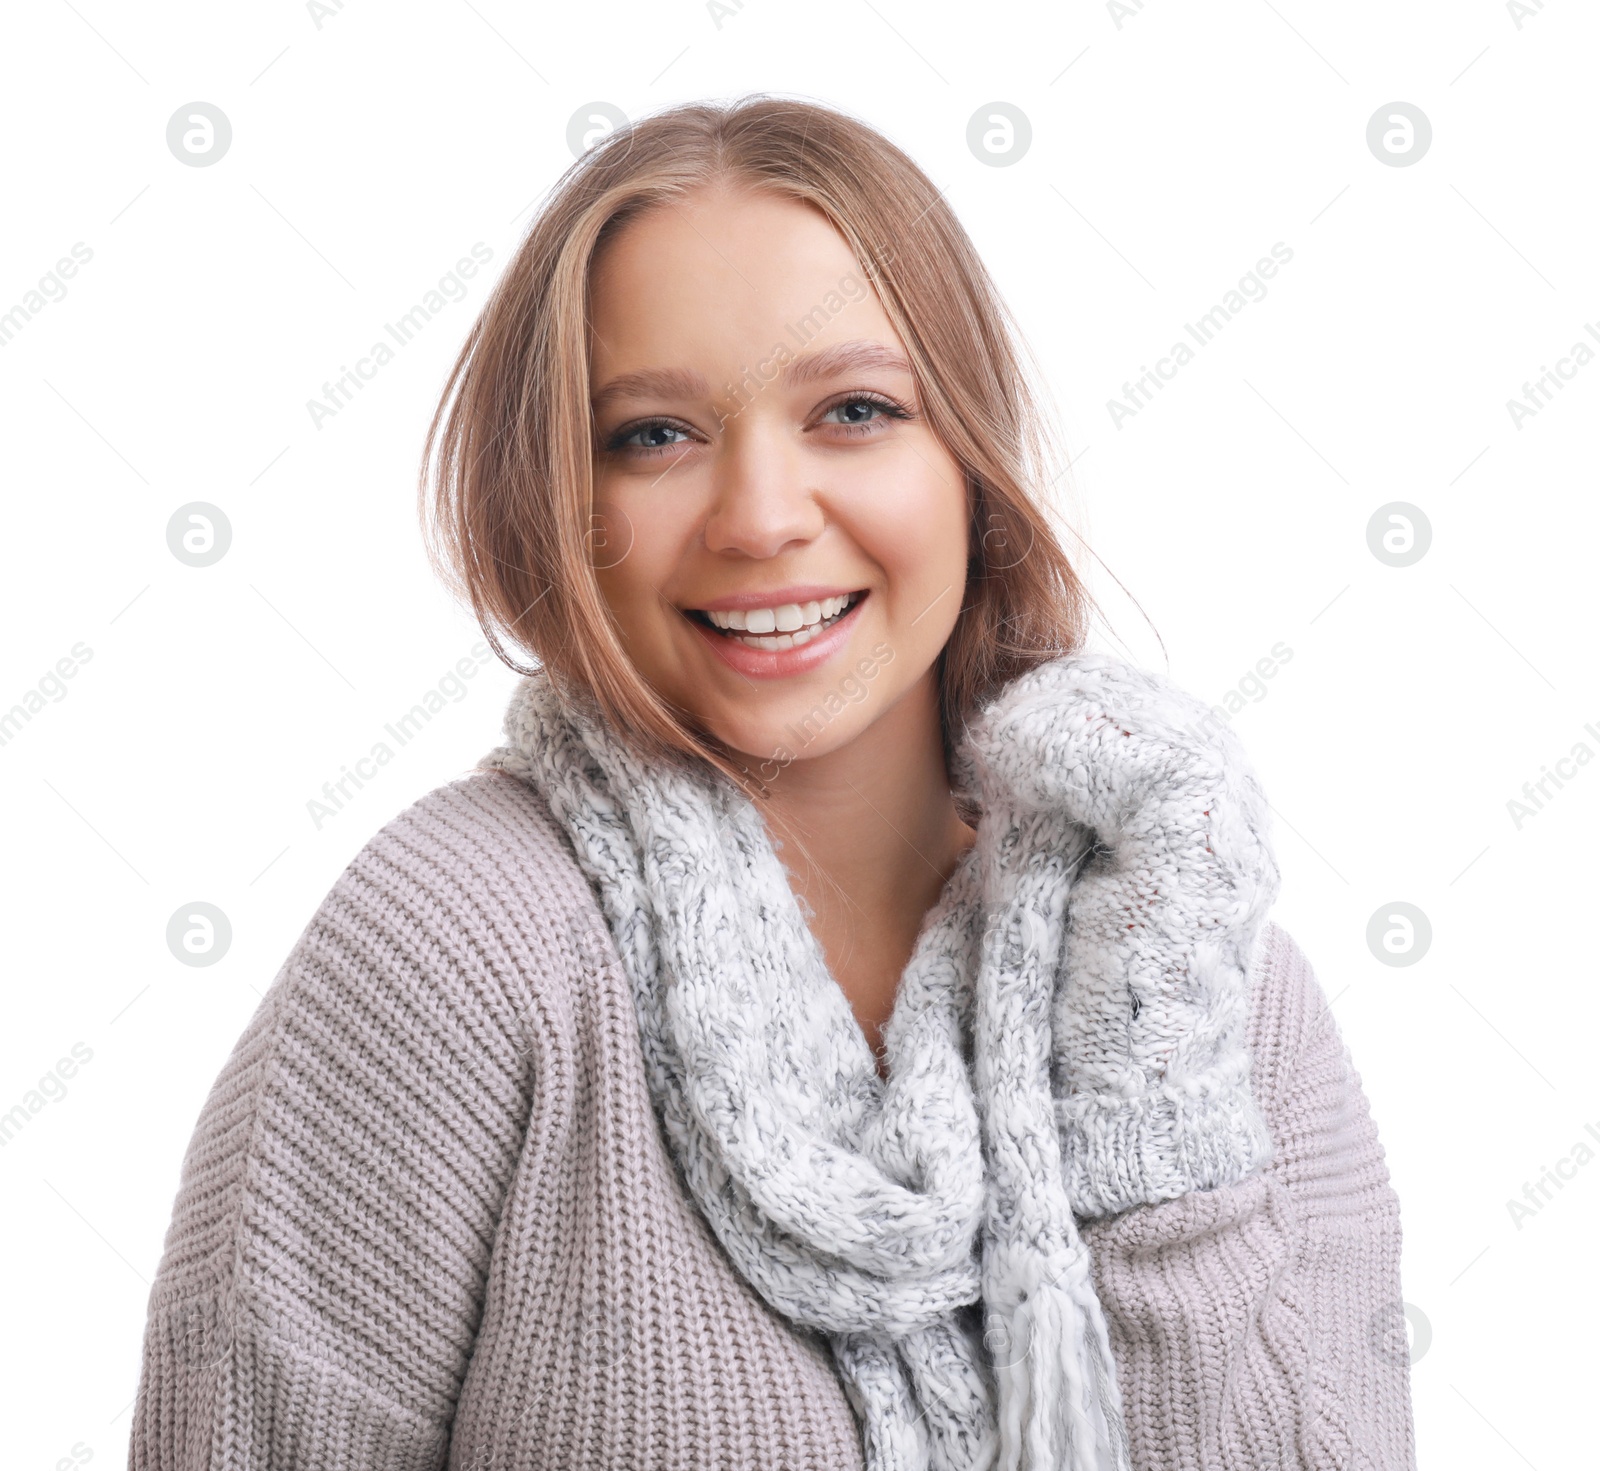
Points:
(808, 592)
(781, 663)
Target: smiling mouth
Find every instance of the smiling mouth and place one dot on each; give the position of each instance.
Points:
(788, 626)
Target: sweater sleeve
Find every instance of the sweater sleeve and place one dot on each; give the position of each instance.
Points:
(1260, 1324)
(323, 1274)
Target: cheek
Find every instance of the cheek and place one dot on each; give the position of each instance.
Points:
(629, 547)
(613, 542)
(915, 515)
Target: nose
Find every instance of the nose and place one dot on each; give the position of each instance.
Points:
(761, 501)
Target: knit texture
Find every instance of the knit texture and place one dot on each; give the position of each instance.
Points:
(1262, 1325)
(428, 1217)
(1067, 1037)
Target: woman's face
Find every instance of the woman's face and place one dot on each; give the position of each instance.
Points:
(761, 453)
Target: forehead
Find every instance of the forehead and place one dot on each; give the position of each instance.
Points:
(722, 274)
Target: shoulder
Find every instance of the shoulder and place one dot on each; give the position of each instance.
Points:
(473, 870)
(1288, 1010)
(462, 914)
(465, 916)
(430, 983)
(487, 829)
(1326, 1140)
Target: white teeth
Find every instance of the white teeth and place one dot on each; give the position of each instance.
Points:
(800, 619)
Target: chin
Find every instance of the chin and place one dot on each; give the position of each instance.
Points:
(773, 742)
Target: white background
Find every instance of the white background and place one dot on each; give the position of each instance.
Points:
(1169, 153)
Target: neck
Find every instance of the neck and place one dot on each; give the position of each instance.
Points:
(870, 835)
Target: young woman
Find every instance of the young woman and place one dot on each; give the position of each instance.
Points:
(841, 1025)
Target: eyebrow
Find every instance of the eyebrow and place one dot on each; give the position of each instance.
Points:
(828, 362)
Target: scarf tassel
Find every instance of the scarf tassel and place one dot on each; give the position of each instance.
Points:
(1059, 1407)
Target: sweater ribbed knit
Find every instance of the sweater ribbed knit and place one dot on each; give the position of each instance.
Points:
(428, 1218)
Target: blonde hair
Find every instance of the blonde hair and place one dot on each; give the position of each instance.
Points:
(507, 505)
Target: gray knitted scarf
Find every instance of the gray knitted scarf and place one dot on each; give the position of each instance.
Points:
(1045, 1058)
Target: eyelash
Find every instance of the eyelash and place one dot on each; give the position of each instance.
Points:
(890, 408)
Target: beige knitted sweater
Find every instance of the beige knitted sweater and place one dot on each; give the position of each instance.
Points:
(428, 1219)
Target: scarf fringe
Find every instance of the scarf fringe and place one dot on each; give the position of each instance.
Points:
(1059, 1405)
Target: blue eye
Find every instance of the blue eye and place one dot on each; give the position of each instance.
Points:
(649, 436)
(852, 409)
(862, 411)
